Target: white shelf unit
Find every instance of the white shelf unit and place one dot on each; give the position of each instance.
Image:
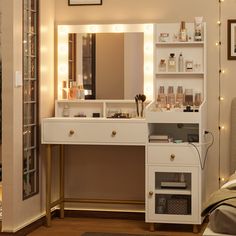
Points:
(105, 108)
(166, 160)
(192, 51)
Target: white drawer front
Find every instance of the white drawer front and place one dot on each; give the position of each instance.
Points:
(184, 155)
(75, 132)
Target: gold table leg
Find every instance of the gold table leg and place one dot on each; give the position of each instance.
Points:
(62, 181)
(48, 184)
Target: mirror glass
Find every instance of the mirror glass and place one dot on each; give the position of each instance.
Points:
(120, 64)
(108, 65)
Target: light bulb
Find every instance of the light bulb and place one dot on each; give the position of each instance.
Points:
(218, 22)
(221, 98)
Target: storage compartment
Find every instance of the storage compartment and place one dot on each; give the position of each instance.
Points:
(173, 204)
(175, 132)
(172, 180)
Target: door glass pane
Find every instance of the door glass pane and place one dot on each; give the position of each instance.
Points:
(173, 204)
(30, 98)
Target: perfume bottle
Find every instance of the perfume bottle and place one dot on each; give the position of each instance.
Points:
(161, 98)
(181, 63)
(162, 65)
(172, 63)
(183, 32)
(72, 90)
(197, 100)
(198, 25)
(188, 98)
(179, 97)
(171, 96)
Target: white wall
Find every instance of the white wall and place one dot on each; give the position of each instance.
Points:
(16, 212)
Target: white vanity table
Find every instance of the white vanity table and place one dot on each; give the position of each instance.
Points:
(87, 131)
(164, 162)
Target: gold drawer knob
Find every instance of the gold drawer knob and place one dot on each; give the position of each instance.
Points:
(150, 193)
(172, 157)
(71, 132)
(113, 133)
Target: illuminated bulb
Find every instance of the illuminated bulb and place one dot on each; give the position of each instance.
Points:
(148, 48)
(63, 30)
(93, 29)
(221, 0)
(62, 48)
(218, 22)
(148, 28)
(222, 127)
(148, 68)
(63, 69)
(222, 179)
(223, 71)
(221, 98)
(118, 28)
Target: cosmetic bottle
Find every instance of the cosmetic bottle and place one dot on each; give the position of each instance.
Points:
(80, 92)
(181, 63)
(161, 98)
(171, 97)
(198, 25)
(179, 101)
(188, 97)
(64, 90)
(70, 92)
(81, 89)
(183, 32)
(197, 99)
(172, 63)
(66, 111)
(162, 65)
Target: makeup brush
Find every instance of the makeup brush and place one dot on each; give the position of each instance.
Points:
(143, 99)
(136, 100)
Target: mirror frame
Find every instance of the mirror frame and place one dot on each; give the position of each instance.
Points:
(62, 49)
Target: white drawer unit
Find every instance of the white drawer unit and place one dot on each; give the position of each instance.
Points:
(173, 154)
(93, 131)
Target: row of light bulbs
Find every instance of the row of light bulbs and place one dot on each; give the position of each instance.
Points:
(221, 71)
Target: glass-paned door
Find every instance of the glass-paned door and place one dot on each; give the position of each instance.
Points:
(30, 98)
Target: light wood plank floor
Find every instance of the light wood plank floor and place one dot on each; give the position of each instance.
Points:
(77, 226)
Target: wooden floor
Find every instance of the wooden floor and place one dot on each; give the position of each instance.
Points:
(77, 226)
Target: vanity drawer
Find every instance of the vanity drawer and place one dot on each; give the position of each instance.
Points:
(94, 132)
(168, 154)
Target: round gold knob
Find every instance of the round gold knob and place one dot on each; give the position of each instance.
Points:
(150, 193)
(71, 132)
(113, 133)
(172, 157)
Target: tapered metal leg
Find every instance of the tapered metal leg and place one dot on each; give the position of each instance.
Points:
(195, 229)
(62, 181)
(152, 227)
(48, 184)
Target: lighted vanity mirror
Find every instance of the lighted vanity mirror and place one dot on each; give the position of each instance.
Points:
(127, 71)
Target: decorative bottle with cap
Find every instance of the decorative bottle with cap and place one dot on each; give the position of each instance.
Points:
(172, 63)
(183, 32)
